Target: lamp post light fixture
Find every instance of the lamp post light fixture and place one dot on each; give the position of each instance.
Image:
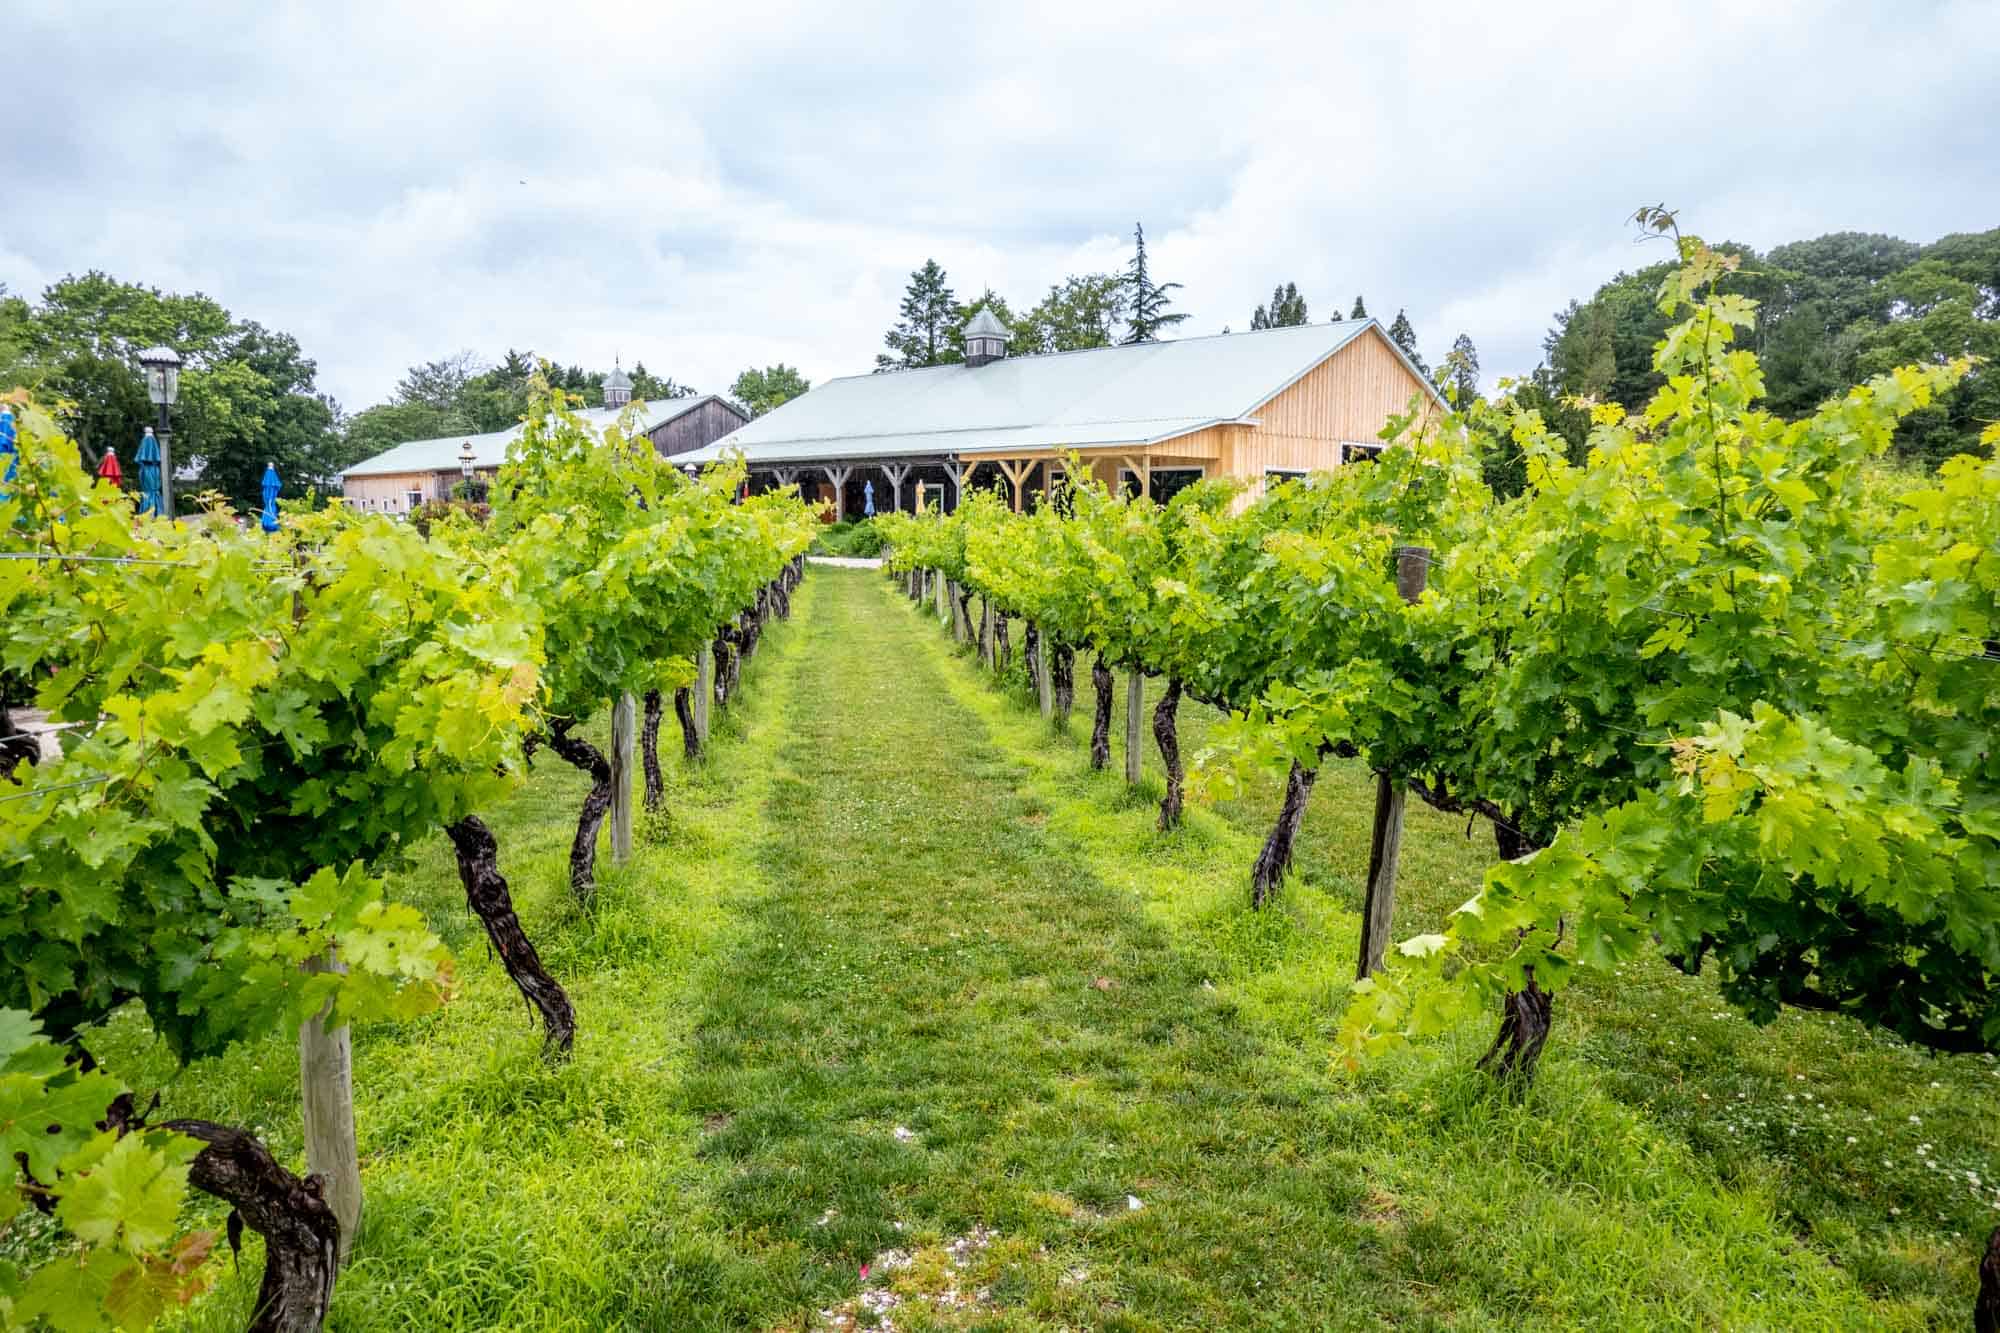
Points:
(465, 459)
(163, 385)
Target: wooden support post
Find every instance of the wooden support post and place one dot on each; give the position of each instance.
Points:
(704, 689)
(938, 584)
(326, 1087)
(1135, 723)
(838, 475)
(985, 631)
(624, 729)
(894, 473)
(964, 475)
(1045, 685)
(1378, 907)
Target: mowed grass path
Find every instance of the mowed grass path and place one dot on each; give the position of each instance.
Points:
(903, 986)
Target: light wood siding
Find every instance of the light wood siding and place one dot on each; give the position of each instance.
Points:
(389, 493)
(1200, 444)
(1348, 397)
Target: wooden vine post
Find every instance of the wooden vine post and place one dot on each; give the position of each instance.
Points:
(624, 730)
(326, 1089)
(1135, 723)
(1385, 846)
(704, 689)
(1045, 685)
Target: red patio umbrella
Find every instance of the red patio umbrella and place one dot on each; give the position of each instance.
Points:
(109, 469)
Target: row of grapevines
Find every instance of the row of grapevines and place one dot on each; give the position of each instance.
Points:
(262, 725)
(1732, 673)
(260, 721)
(634, 568)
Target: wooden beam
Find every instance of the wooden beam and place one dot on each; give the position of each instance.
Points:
(895, 472)
(1015, 471)
(838, 473)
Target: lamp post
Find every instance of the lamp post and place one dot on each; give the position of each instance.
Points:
(163, 386)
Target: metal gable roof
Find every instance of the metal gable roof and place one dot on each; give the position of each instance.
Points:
(1135, 394)
(490, 450)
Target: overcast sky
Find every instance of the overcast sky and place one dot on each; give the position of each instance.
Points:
(715, 186)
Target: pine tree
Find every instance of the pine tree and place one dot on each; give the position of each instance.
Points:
(1286, 309)
(1360, 311)
(925, 333)
(1462, 369)
(1149, 300)
(1404, 336)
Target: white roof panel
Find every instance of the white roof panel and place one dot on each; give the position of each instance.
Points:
(490, 450)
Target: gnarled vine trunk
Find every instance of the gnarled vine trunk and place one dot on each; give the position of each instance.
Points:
(1062, 674)
(596, 804)
(1276, 857)
(720, 651)
(301, 1237)
(15, 744)
(1002, 650)
(1167, 737)
(1512, 844)
(736, 662)
(486, 893)
(1100, 726)
(649, 748)
(1525, 1016)
(690, 729)
(1986, 1309)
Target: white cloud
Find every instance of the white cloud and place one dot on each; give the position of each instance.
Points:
(711, 187)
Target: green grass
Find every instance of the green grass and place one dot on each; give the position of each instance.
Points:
(902, 983)
(856, 537)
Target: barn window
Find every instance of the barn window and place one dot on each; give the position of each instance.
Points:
(1167, 482)
(1360, 453)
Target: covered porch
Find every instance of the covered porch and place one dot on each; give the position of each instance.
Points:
(1021, 478)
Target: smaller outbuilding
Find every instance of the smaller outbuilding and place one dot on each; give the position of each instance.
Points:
(417, 471)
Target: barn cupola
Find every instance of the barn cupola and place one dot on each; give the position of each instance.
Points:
(985, 338)
(617, 386)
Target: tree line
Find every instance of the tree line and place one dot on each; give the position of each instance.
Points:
(1087, 310)
(249, 395)
(1832, 310)
(1082, 311)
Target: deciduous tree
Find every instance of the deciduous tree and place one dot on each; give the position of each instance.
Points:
(759, 391)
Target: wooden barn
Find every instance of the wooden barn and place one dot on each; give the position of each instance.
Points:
(399, 479)
(1273, 403)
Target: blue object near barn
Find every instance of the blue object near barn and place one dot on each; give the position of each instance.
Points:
(8, 452)
(148, 461)
(269, 518)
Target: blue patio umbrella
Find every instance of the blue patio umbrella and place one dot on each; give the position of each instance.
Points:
(148, 461)
(868, 498)
(7, 451)
(269, 518)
